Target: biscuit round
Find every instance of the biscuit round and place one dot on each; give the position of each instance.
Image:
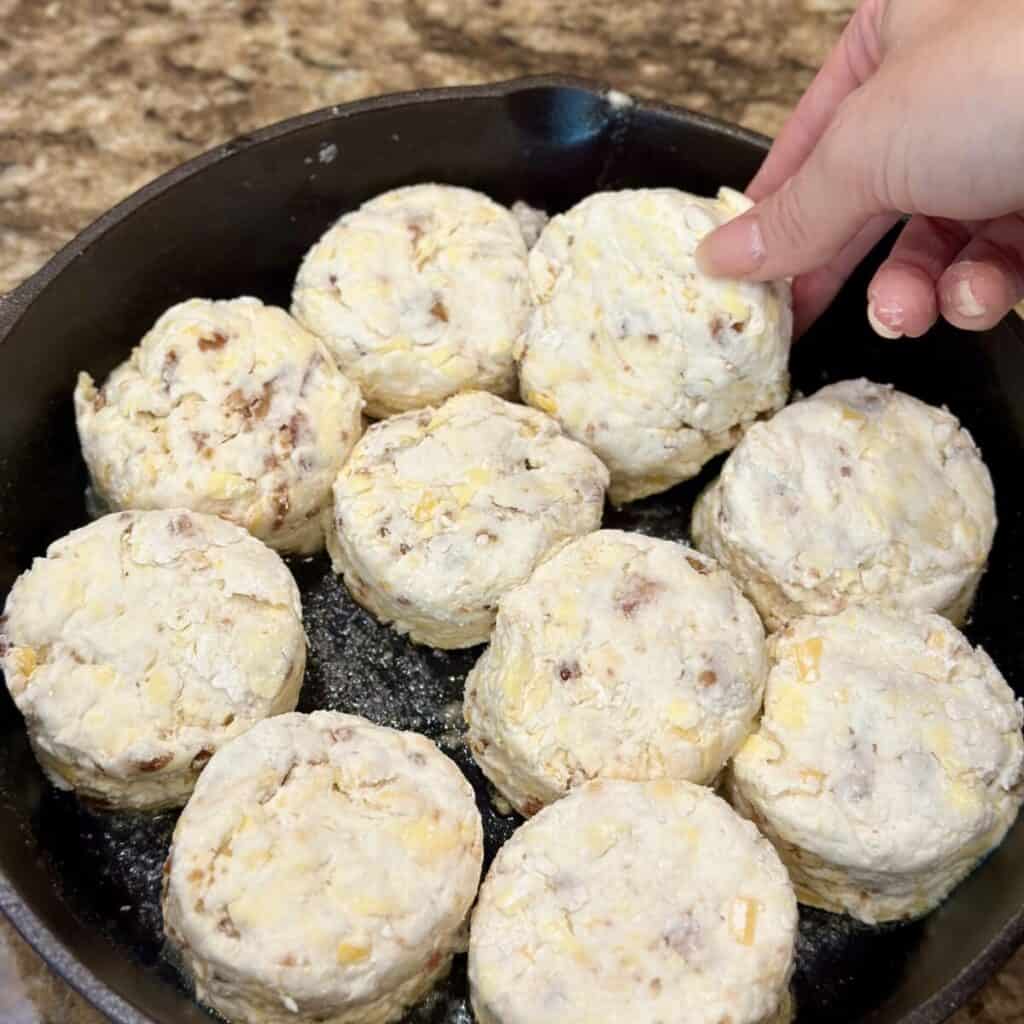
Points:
(859, 494)
(420, 294)
(638, 354)
(322, 871)
(887, 764)
(633, 901)
(227, 407)
(141, 644)
(441, 511)
(623, 656)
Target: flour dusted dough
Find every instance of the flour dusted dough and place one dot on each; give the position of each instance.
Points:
(322, 871)
(143, 642)
(227, 407)
(623, 657)
(420, 293)
(630, 901)
(531, 222)
(859, 494)
(439, 512)
(888, 762)
(637, 353)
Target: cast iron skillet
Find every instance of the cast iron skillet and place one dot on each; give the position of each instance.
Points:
(83, 888)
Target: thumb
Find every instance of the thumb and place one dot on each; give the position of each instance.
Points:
(810, 219)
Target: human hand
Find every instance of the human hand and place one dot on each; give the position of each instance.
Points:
(918, 110)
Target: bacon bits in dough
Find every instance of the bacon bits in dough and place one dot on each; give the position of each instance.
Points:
(322, 871)
(420, 293)
(622, 657)
(633, 901)
(888, 762)
(637, 353)
(227, 407)
(857, 495)
(439, 512)
(143, 642)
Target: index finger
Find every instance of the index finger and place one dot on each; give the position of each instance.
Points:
(853, 60)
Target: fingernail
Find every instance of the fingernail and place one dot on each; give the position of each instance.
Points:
(735, 249)
(882, 330)
(965, 302)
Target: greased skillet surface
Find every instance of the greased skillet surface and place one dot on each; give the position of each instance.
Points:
(85, 887)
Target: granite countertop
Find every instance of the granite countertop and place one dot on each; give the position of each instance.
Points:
(99, 96)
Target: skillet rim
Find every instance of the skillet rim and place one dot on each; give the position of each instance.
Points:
(13, 304)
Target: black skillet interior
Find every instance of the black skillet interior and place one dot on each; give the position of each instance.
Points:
(84, 887)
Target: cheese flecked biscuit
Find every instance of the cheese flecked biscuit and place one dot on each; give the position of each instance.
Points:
(635, 351)
(888, 762)
(622, 656)
(634, 901)
(322, 872)
(859, 494)
(439, 512)
(225, 407)
(420, 294)
(141, 644)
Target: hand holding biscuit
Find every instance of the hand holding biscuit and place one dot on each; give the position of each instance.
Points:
(915, 112)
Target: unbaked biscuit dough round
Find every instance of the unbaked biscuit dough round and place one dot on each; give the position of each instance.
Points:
(439, 512)
(623, 656)
(420, 293)
(888, 762)
(322, 871)
(227, 407)
(142, 643)
(636, 352)
(857, 495)
(633, 901)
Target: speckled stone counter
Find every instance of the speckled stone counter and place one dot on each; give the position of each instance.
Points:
(99, 96)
